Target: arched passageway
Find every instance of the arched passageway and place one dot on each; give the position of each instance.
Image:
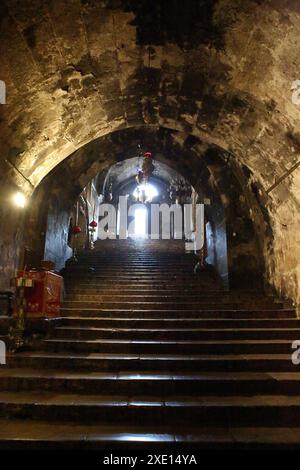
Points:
(211, 88)
(218, 80)
(209, 169)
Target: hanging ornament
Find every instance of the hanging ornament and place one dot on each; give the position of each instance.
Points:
(92, 230)
(139, 177)
(92, 227)
(143, 176)
(148, 166)
(76, 229)
(93, 224)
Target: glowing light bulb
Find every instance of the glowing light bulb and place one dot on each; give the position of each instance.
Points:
(149, 190)
(20, 200)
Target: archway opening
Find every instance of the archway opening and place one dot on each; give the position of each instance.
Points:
(145, 192)
(107, 168)
(140, 222)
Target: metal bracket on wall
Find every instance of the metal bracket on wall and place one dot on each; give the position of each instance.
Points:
(20, 173)
(283, 177)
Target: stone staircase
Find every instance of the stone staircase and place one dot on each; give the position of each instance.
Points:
(149, 353)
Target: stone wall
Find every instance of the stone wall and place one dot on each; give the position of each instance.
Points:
(283, 268)
(217, 244)
(56, 240)
(218, 71)
(11, 235)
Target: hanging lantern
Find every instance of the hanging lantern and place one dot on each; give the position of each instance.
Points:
(143, 176)
(139, 177)
(76, 229)
(148, 166)
(93, 224)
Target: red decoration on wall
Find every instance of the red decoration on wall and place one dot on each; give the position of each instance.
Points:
(93, 224)
(76, 229)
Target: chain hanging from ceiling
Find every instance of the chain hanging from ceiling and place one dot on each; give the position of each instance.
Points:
(144, 173)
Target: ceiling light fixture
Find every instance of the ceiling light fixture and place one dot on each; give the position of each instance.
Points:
(20, 200)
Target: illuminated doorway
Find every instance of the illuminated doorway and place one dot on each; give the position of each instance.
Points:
(140, 223)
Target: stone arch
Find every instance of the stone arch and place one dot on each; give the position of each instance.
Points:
(103, 68)
(206, 167)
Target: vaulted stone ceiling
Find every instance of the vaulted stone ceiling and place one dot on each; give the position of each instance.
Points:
(218, 70)
(221, 70)
(125, 171)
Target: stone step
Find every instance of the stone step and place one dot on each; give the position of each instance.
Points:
(93, 281)
(109, 290)
(162, 334)
(161, 282)
(164, 384)
(100, 254)
(167, 305)
(29, 435)
(144, 257)
(188, 297)
(117, 259)
(151, 256)
(180, 323)
(100, 290)
(178, 313)
(125, 258)
(131, 289)
(153, 362)
(117, 346)
(135, 257)
(266, 410)
(131, 275)
(151, 279)
(133, 270)
(144, 266)
(156, 286)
